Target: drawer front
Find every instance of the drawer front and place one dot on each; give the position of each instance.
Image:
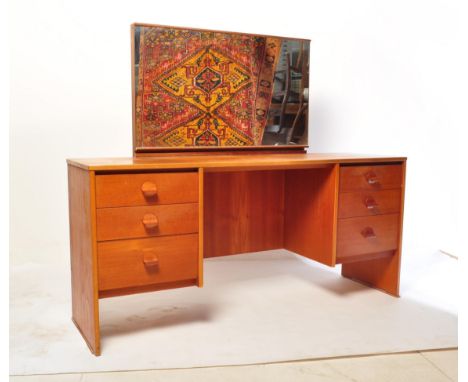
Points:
(146, 189)
(131, 263)
(134, 222)
(368, 203)
(365, 235)
(378, 177)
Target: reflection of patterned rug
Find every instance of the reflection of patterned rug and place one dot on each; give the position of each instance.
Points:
(201, 88)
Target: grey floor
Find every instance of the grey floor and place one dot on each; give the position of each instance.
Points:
(427, 366)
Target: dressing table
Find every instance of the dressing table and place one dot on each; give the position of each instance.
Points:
(220, 168)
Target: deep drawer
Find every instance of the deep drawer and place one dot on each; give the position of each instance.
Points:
(369, 203)
(135, 222)
(132, 263)
(377, 177)
(122, 190)
(366, 235)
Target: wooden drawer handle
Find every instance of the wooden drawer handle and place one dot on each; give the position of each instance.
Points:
(150, 260)
(368, 233)
(150, 221)
(370, 203)
(371, 178)
(149, 189)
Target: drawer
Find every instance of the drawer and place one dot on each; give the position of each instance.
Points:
(134, 222)
(368, 203)
(131, 263)
(377, 177)
(122, 190)
(365, 235)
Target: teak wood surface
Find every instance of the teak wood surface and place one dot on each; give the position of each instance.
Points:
(369, 203)
(243, 212)
(356, 178)
(122, 263)
(224, 162)
(83, 261)
(383, 272)
(124, 191)
(129, 222)
(128, 217)
(310, 213)
(352, 242)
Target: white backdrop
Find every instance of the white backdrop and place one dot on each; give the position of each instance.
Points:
(386, 78)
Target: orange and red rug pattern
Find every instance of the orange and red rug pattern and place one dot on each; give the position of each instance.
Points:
(202, 88)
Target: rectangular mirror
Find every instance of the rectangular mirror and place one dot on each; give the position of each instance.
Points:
(197, 88)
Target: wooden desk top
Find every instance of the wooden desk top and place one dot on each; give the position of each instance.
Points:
(227, 162)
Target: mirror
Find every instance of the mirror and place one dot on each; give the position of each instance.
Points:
(202, 88)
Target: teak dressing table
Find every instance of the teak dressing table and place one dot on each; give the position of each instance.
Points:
(145, 223)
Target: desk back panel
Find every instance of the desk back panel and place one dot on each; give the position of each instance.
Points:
(243, 211)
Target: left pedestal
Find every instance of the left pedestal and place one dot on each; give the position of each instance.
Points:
(83, 255)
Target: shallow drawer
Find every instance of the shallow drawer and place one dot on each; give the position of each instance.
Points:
(134, 222)
(130, 263)
(146, 189)
(377, 177)
(368, 203)
(365, 235)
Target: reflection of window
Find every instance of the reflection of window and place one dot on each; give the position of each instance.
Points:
(290, 50)
(287, 116)
(136, 57)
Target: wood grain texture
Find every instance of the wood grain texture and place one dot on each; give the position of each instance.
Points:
(243, 212)
(242, 203)
(352, 242)
(122, 262)
(128, 222)
(146, 288)
(358, 203)
(201, 225)
(226, 162)
(354, 178)
(122, 190)
(310, 213)
(383, 273)
(365, 257)
(85, 306)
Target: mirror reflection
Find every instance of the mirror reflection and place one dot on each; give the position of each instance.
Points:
(200, 88)
(287, 115)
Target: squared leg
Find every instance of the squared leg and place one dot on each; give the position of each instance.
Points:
(83, 261)
(381, 273)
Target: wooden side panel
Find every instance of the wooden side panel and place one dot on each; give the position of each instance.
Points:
(201, 219)
(383, 273)
(243, 212)
(82, 214)
(311, 207)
